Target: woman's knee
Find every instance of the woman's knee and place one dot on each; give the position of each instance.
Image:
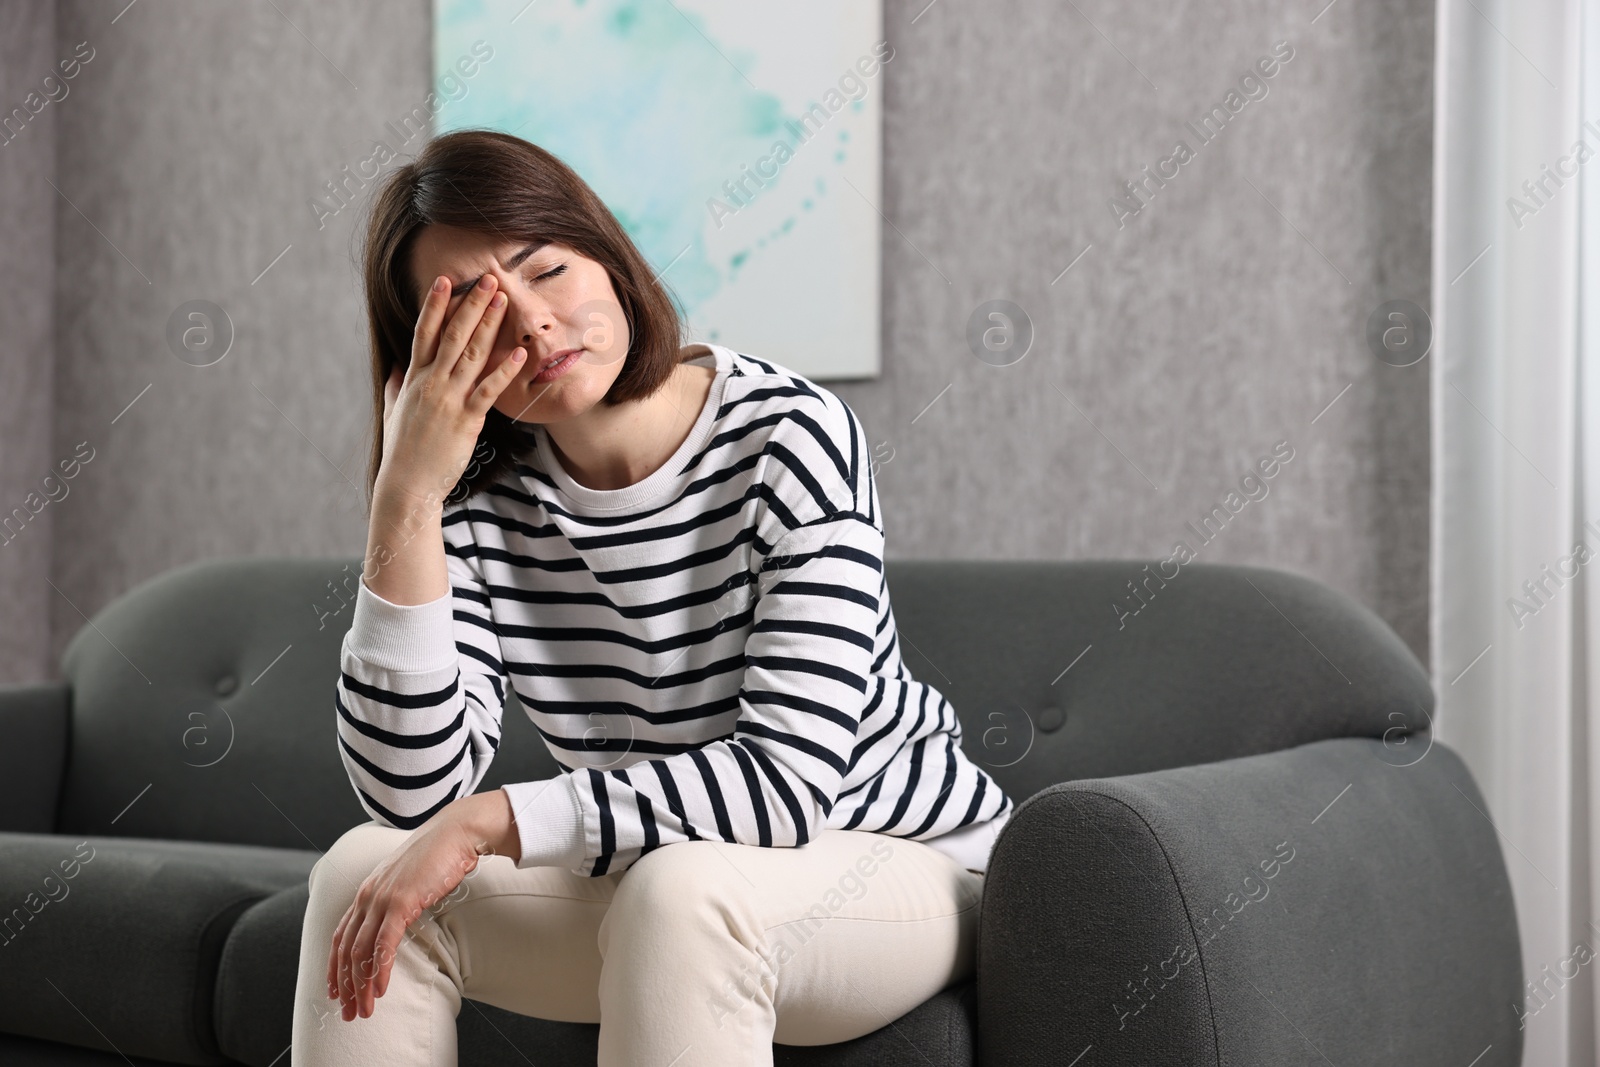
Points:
(345, 865)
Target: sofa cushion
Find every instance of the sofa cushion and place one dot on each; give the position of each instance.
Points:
(257, 975)
(113, 943)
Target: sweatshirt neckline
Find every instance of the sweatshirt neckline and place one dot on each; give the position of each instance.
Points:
(664, 479)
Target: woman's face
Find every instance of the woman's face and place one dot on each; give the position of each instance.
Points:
(556, 300)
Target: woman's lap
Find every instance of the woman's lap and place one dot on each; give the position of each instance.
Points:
(710, 944)
(836, 938)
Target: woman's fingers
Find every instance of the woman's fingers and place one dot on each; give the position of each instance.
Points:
(463, 323)
(494, 383)
(352, 963)
(333, 955)
(372, 953)
(365, 959)
(428, 430)
(344, 977)
(378, 956)
(387, 947)
(426, 336)
(481, 342)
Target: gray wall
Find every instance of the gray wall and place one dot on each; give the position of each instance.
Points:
(27, 392)
(1221, 319)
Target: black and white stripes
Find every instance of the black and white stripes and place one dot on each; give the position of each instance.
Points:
(711, 650)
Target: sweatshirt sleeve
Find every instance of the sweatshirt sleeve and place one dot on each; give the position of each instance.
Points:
(804, 690)
(420, 692)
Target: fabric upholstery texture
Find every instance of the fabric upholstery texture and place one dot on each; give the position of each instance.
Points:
(128, 937)
(1156, 918)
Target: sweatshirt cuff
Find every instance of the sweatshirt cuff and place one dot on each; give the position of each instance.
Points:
(402, 637)
(549, 822)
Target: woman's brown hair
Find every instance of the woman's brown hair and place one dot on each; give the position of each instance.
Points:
(506, 189)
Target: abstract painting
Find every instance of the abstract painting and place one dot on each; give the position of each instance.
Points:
(738, 142)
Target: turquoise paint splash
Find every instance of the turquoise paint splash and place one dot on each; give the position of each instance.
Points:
(631, 95)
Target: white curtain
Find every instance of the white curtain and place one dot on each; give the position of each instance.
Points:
(1515, 373)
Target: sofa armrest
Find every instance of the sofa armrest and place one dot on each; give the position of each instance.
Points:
(35, 723)
(1343, 901)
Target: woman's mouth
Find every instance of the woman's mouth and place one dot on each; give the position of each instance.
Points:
(558, 365)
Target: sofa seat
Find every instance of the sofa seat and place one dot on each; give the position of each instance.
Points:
(114, 943)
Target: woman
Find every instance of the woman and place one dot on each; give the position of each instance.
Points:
(675, 556)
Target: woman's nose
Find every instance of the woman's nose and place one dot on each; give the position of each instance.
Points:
(527, 317)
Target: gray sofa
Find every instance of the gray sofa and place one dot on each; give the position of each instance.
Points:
(1236, 841)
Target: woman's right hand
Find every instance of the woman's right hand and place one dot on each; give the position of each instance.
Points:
(434, 411)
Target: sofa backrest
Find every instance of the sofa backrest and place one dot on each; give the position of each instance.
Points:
(202, 699)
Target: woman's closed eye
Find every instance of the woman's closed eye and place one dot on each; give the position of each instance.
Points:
(551, 273)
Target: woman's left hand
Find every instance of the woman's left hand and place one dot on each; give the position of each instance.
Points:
(427, 868)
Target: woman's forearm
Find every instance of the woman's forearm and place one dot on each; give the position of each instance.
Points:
(405, 561)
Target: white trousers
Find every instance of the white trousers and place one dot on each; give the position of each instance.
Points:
(701, 953)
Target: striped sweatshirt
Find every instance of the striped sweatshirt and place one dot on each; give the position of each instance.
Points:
(710, 652)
